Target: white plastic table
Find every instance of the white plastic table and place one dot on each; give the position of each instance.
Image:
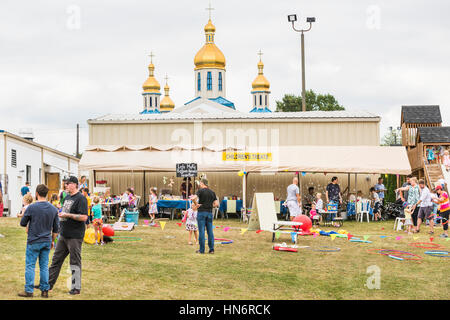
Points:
(279, 224)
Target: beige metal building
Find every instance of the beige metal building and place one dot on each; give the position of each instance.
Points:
(206, 124)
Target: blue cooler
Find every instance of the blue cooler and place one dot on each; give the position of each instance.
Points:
(132, 216)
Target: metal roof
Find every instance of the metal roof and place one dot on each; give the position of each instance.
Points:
(186, 116)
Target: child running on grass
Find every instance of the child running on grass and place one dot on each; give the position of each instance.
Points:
(408, 219)
(190, 217)
(152, 207)
(97, 222)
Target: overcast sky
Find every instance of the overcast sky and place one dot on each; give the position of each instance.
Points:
(63, 62)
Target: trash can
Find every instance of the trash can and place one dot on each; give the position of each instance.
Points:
(132, 216)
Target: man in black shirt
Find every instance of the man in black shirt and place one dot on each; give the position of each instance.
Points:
(73, 217)
(207, 200)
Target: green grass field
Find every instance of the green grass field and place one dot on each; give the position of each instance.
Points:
(164, 266)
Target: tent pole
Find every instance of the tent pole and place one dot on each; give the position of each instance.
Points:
(144, 189)
(244, 191)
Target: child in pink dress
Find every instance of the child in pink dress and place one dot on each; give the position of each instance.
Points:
(190, 217)
(446, 160)
(152, 207)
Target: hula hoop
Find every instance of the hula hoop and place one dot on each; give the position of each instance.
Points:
(396, 253)
(359, 240)
(329, 249)
(419, 245)
(437, 253)
(125, 239)
(396, 258)
(222, 241)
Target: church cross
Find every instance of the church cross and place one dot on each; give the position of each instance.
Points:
(260, 54)
(210, 9)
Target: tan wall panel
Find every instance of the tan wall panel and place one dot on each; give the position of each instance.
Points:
(291, 133)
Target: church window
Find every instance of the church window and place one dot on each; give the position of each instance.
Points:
(150, 101)
(255, 100)
(209, 81)
(199, 82)
(220, 81)
(266, 100)
(260, 100)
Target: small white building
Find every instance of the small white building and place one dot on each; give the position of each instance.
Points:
(22, 160)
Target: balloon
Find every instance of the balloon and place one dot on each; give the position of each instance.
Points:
(307, 224)
(303, 173)
(108, 231)
(240, 173)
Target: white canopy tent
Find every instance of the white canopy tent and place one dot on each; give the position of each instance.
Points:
(336, 159)
(330, 159)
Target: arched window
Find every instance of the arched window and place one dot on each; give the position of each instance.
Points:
(220, 81)
(260, 100)
(145, 102)
(199, 82)
(266, 100)
(209, 81)
(255, 100)
(150, 101)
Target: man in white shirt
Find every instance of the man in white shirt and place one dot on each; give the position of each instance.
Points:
(426, 206)
(293, 200)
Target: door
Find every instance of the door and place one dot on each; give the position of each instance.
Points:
(53, 183)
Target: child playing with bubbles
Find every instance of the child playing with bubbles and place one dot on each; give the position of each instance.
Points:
(190, 217)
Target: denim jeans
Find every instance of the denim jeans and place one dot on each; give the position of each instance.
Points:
(204, 219)
(34, 251)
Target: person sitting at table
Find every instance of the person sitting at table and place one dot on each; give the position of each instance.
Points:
(183, 188)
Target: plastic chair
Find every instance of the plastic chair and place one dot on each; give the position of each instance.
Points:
(363, 208)
(397, 222)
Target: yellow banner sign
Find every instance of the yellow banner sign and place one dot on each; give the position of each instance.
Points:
(246, 156)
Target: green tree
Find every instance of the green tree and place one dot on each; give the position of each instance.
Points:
(314, 102)
(392, 138)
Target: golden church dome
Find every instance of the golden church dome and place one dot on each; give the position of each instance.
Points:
(166, 104)
(151, 84)
(260, 83)
(209, 56)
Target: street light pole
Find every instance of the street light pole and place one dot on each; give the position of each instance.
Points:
(303, 74)
(293, 18)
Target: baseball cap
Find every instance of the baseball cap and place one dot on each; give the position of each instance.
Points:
(438, 188)
(72, 179)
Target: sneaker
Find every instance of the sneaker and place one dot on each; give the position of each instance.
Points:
(25, 294)
(96, 243)
(102, 243)
(443, 235)
(44, 294)
(74, 291)
(211, 251)
(198, 251)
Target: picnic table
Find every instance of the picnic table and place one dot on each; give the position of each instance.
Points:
(278, 226)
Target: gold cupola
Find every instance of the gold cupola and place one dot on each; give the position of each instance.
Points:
(260, 83)
(151, 85)
(167, 103)
(209, 56)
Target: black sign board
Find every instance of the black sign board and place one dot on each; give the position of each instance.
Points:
(186, 170)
